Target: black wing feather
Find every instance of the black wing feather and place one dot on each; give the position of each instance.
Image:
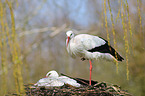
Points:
(107, 49)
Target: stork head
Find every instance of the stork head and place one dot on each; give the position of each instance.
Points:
(70, 34)
(52, 74)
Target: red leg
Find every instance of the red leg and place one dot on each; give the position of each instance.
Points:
(90, 71)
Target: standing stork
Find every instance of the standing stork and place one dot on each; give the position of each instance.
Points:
(90, 47)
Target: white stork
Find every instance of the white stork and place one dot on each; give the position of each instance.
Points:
(52, 79)
(90, 47)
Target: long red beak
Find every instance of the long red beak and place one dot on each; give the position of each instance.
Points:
(68, 38)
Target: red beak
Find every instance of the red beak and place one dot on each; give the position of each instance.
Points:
(68, 38)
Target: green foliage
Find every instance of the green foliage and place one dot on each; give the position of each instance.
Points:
(14, 50)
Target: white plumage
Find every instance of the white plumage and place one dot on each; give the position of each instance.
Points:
(52, 79)
(90, 47)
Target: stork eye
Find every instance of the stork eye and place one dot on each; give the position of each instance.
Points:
(49, 74)
(71, 34)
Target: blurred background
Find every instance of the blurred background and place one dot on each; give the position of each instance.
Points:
(32, 41)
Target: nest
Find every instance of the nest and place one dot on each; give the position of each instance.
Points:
(96, 89)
